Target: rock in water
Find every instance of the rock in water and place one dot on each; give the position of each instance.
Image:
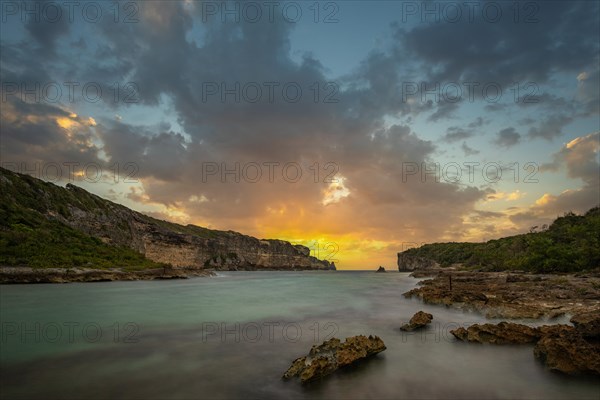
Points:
(418, 321)
(380, 269)
(564, 349)
(588, 324)
(503, 333)
(326, 358)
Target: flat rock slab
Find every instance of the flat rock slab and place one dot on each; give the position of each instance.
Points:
(513, 296)
(502, 333)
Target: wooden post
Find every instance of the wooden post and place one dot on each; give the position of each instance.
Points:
(450, 281)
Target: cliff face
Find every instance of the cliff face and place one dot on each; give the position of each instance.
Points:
(407, 262)
(161, 241)
(569, 244)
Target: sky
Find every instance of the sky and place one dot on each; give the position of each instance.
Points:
(359, 129)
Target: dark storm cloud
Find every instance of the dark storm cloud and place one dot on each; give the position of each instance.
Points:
(46, 29)
(507, 137)
(478, 122)
(563, 39)
(550, 127)
(19, 66)
(171, 58)
(31, 134)
(444, 109)
(455, 134)
(161, 155)
(468, 150)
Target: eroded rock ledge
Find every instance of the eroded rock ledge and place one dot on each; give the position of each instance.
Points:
(572, 350)
(511, 295)
(331, 355)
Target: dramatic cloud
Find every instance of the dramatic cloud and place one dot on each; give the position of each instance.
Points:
(230, 126)
(555, 37)
(581, 159)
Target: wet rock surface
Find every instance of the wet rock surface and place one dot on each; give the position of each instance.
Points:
(588, 324)
(564, 349)
(502, 333)
(511, 295)
(418, 321)
(572, 350)
(333, 354)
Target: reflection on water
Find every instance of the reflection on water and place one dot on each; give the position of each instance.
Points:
(234, 336)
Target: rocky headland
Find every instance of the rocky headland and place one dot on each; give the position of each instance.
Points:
(409, 263)
(46, 226)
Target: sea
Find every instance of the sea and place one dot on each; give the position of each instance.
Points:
(233, 336)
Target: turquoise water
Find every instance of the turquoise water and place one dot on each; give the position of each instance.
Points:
(234, 335)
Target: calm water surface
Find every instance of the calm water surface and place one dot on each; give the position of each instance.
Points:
(234, 335)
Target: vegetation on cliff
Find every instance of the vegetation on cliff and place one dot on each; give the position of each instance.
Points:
(570, 244)
(30, 235)
(44, 225)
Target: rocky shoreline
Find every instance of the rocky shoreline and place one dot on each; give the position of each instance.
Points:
(571, 350)
(16, 275)
(511, 295)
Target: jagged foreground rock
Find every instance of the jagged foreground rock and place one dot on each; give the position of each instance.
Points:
(565, 350)
(418, 321)
(181, 246)
(562, 348)
(331, 355)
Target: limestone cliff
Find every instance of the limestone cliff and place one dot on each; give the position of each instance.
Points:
(181, 246)
(407, 262)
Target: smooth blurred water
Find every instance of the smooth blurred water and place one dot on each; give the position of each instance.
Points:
(234, 335)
